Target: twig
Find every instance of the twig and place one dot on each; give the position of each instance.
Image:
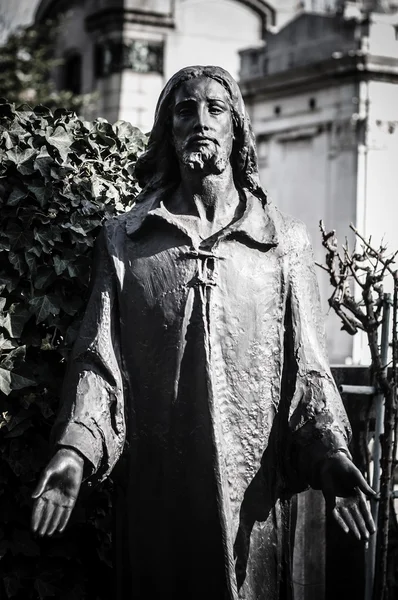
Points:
(368, 269)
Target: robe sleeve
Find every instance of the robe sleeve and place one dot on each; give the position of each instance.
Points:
(91, 419)
(318, 423)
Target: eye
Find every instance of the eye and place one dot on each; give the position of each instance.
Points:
(216, 109)
(184, 111)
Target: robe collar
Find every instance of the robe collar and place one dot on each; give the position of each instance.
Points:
(257, 223)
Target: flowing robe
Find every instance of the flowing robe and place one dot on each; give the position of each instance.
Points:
(213, 352)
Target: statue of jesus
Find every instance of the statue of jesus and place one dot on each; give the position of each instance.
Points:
(203, 342)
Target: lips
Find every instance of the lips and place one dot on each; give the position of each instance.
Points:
(201, 139)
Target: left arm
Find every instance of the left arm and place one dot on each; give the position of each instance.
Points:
(317, 419)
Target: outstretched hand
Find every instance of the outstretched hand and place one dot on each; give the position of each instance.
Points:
(344, 489)
(56, 492)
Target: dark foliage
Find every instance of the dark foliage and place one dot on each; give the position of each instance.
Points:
(60, 177)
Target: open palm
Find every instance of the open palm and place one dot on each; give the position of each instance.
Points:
(56, 492)
(344, 489)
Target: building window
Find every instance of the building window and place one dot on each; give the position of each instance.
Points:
(253, 57)
(312, 103)
(140, 56)
(73, 73)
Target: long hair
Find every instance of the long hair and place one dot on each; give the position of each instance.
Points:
(158, 169)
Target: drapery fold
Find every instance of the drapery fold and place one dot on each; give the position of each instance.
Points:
(217, 347)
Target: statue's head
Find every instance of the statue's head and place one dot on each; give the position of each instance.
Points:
(174, 145)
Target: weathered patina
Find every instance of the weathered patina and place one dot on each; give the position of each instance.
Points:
(206, 348)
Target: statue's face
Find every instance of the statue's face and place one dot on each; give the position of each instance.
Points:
(202, 125)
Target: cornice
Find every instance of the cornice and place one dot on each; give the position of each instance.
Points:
(117, 17)
(358, 67)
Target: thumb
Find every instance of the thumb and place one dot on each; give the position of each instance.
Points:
(365, 488)
(42, 484)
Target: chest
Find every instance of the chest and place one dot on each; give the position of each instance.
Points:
(160, 270)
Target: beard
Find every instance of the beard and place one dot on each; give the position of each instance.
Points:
(207, 159)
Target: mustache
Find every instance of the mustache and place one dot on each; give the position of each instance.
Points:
(197, 137)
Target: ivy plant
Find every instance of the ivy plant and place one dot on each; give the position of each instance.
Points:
(60, 177)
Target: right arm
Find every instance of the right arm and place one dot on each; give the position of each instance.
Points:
(90, 428)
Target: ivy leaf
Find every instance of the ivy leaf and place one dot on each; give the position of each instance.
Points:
(7, 140)
(44, 277)
(18, 382)
(20, 157)
(44, 306)
(44, 237)
(36, 250)
(17, 430)
(14, 358)
(31, 262)
(124, 129)
(20, 237)
(17, 261)
(6, 344)
(5, 381)
(16, 196)
(43, 162)
(40, 192)
(60, 264)
(8, 282)
(14, 319)
(60, 140)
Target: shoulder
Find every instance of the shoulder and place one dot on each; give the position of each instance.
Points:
(117, 227)
(292, 232)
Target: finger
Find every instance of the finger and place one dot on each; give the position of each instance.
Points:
(37, 513)
(47, 514)
(42, 484)
(340, 521)
(55, 519)
(365, 487)
(347, 516)
(360, 522)
(64, 519)
(367, 515)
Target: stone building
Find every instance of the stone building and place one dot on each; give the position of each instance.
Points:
(319, 79)
(322, 94)
(320, 89)
(127, 49)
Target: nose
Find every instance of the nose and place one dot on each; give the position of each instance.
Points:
(202, 119)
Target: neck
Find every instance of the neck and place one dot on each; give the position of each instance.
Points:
(212, 197)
